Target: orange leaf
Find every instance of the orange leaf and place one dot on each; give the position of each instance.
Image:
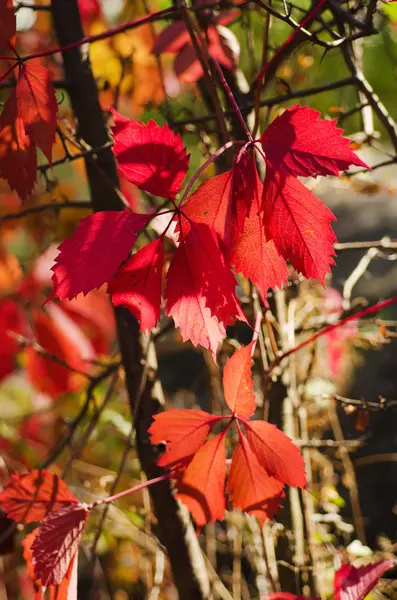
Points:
(30, 497)
(37, 104)
(237, 383)
(184, 431)
(251, 488)
(202, 485)
(276, 453)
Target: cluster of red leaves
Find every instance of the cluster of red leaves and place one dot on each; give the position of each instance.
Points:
(232, 220)
(222, 45)
(50, 550)
(264, 460)
(75, 332)
(28, 119)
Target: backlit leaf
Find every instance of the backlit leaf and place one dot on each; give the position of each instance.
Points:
(355, 583)
(91, 257)
(299, 143)
(30, 497)
(237, 382)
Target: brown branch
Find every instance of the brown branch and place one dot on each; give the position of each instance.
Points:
(34, 210)
(144, 392)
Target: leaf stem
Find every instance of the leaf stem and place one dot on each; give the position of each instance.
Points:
(210, 160)
(232, 99)
(134, 489)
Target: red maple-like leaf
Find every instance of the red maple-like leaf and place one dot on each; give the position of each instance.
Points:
(90, 257)
(7, 23)
(250, 487)
(355, 583)
(137, 285)
(200, 287)
(276, 452)
(37, 104)
(56, 543)
(263, 461)
(237, 383)
(183, 431)
(151, 157)
(202, 484)
(251, 252)
(31, 497)
(299, 224)
(299, 143)
(67, 590)
(18, 159)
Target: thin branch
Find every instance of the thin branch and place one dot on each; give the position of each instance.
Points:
(34, 210)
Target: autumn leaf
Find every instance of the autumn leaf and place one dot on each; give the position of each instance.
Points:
(59, 336)
(137, 285)
(244, 188)
(301, 144)
(237, 383)
(37, 105)
(183, 431)
(18, 159)
(66, 590)
(299, 224)
(10, 322)
(90, 257)
(151, 157)
(31, 497)
(200, 287)
(355, 583)
(276, 453)
(201, 486)
(56, 543)
(250, 487)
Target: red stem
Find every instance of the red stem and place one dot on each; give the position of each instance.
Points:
(287, 41)
(134, 489)
(355, 317)
(232, 99)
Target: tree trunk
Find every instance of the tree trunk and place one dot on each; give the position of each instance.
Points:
(144, 390)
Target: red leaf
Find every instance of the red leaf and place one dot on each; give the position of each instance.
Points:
(355, 583)
(250, 487)
(237, 383)
(253, 254)
(245, 187)
(7, 22)
(299, 143)
(199, 279)
(172, 38)
(63, 340)
(37, 105)
(151, 157)
(30, 497)
(276, 453)
(56, 543)
(137, 286)
(67, 590)
(184, 432)
(299, 225)
(210, 204)
(10, 321)
(202, 485)
(93, 254)
(18, 160)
